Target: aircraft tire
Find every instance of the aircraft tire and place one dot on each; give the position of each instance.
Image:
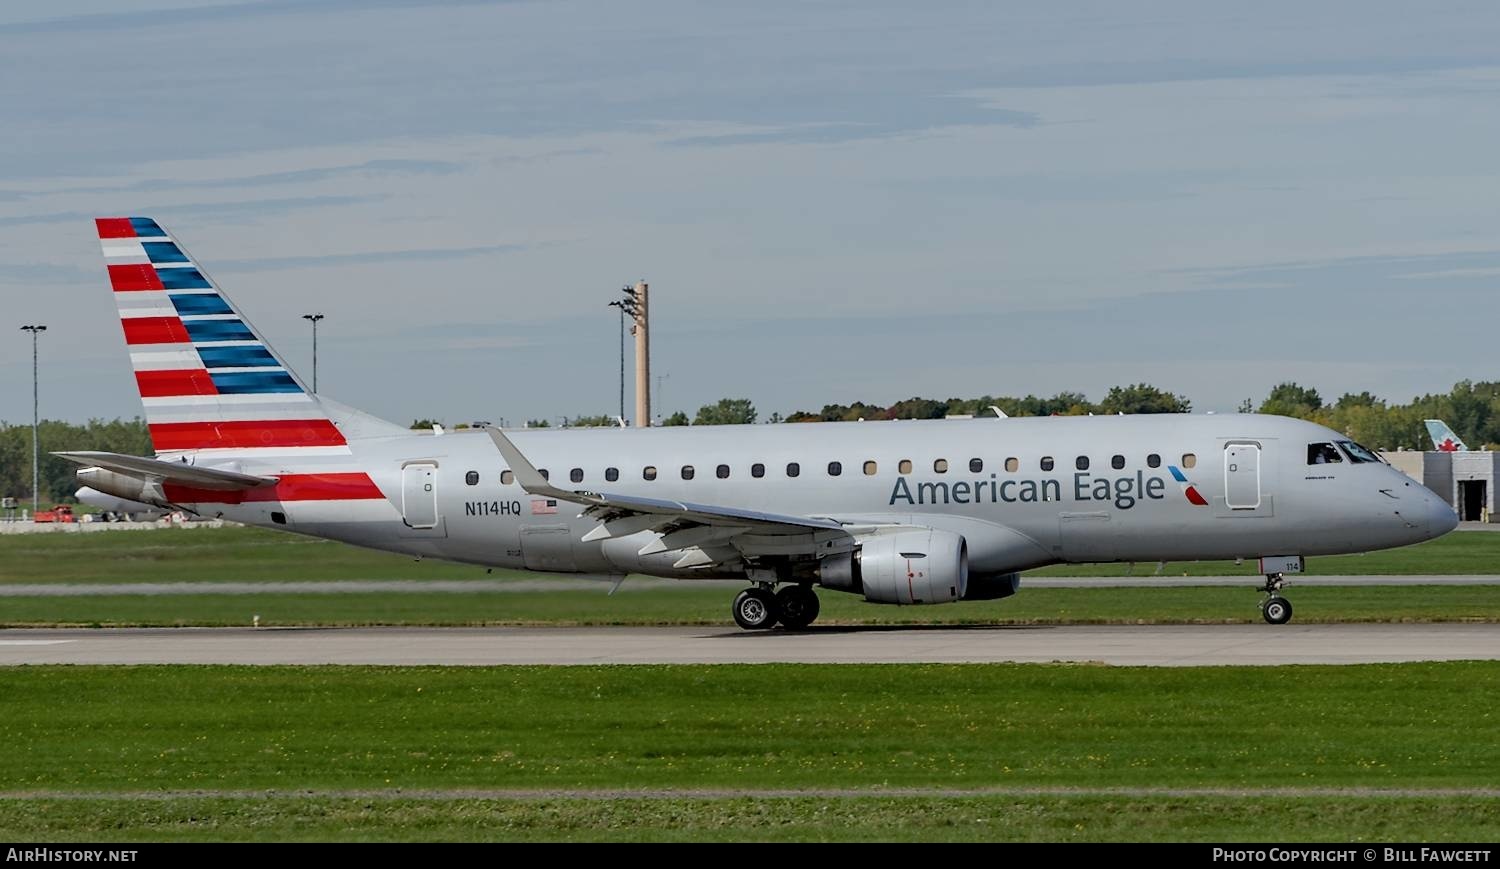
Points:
(799, 606)
(1277, 610)
(756, 609)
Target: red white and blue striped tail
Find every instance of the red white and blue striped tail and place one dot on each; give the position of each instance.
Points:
(207, 379)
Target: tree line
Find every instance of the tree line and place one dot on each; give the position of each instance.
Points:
(1472, 408)
(126, 436)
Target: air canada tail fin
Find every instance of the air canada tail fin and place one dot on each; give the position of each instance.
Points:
(207, 379)
(1443, 438)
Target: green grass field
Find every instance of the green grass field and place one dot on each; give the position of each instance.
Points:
(206, 555)
(757, 819)
(355, 752)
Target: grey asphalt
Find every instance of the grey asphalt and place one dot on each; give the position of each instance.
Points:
(499, 586)
(1147, 645)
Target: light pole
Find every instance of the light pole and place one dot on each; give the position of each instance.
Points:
(626, 306)
(661, 403)
(313, 319)
(36, 452)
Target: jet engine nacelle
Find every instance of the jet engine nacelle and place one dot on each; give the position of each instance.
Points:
(146, 491)
(919, 566)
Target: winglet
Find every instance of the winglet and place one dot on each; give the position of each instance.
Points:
(527, 475)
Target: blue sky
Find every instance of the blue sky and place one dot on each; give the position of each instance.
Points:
(832, 201)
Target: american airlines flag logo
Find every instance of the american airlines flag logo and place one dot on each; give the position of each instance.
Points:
(1188, 489)
(543, 506)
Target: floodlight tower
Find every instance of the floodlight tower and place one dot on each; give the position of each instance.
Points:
(313, 319)
(36, 452)
(642, 355)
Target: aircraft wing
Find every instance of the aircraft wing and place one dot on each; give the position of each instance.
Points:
(180, 473)
(709, 532)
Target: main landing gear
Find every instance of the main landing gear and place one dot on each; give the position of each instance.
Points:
(1276, 609)
(759, 608)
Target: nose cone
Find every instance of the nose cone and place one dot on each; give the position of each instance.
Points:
(1440, 517)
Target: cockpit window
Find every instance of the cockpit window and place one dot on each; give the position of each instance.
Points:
(1359, 454)
(1323, 454)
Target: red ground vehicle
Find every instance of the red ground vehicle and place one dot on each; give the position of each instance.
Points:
(59, 513)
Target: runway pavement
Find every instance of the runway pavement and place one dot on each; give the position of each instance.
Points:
(1148, 645)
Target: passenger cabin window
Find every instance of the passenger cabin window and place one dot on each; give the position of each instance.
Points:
(1047, 463)
(1189, 460)
(757, 470)
(870, 469)
(687, 472)
(1323, 454)
(648, 472)
(835, 468)
(1360, 454)
(545, 475)
(576, 475)
(976, 465)
(722, 472)
(611, 474)
(904, 466)
(793, 469)
(507, 478)
(471, 478)
(1081, 463)
(1012, 465)
(940, 466)
(1118, 463)
(1153, 461)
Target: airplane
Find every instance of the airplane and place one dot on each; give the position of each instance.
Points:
(898, 512)
(1443, 438)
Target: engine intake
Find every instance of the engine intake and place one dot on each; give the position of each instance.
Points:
(920, 566)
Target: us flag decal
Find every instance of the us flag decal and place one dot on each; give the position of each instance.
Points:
(542, 506)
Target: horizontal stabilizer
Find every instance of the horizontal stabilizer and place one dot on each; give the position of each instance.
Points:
(179, 473)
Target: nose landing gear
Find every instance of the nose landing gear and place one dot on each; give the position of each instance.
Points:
(1276, 609)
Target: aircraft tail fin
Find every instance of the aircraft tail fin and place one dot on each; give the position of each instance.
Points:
(1443, 438)
(207, 378)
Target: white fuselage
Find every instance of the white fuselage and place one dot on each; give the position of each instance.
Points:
(1110, 493)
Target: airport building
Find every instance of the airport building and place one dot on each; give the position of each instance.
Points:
(1466, 479)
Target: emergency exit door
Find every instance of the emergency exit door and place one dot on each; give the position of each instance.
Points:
(1242, 476)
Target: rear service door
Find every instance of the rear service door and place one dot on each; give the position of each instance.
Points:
(419, 494)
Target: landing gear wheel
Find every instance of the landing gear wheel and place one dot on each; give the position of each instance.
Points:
(1277, 610)
(756, 609)
(799, 606)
